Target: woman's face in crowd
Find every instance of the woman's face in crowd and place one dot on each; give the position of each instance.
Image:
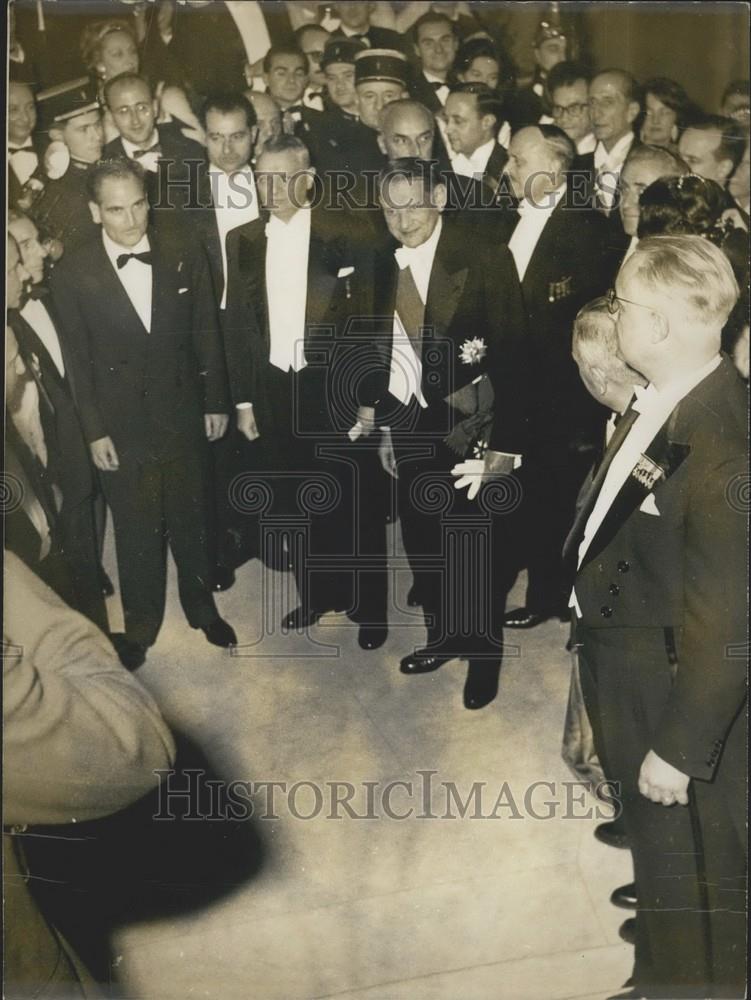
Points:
(483, 69)
(117, 54)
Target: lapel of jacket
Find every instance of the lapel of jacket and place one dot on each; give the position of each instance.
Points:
(324, 258)
(495, 166)
(658, 463)
(110, 291)
(447, 280)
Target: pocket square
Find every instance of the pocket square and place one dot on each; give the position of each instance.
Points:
(648, 505)
(344, 272)
(181, 290)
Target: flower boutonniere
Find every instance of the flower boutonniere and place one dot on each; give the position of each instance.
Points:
(647, 472)
(473, 351)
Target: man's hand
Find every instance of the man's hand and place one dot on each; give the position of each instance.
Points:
(104, 455)
(246, 423)
(661, 782)
(366, 420)
(386, 454)
(216, 425)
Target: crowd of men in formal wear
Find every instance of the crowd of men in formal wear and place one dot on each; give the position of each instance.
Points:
(279, 276)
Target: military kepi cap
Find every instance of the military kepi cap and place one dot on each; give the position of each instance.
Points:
(341, 50)
(381, 64)
(67, 100)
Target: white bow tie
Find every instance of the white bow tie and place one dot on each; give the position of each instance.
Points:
(406, 256)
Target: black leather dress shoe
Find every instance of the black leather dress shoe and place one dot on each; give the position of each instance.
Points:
(612, 834)
(108, 587)
(223, 578)
(524, 618)
(372, 636)
(627, 930)
(413, 597)
(219, 633)
(625, 897)
(481, 685)
(131, 654)
(422, 661)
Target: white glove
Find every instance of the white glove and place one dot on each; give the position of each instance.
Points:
(472, 475)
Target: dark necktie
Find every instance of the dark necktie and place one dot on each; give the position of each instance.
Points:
(410, 308)
(156, 148)
(573, 541)
(123, 258)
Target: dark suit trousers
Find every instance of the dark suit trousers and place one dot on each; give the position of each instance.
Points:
(687, 860)
(328, 493)
(454, 545)
(551, 479)
(153, 504)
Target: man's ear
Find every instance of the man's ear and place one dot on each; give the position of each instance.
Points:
(599, 379)
(634, 110)
(440, 196)
(96, 215)
(660, 328)
(56, 134)
(489, 122)
(381, 143)
(724, 169)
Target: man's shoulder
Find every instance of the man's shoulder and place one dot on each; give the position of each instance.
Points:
(114, 149)
(88, 256)
(713, 417)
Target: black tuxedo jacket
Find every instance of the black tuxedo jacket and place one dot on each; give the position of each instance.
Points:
(175, 184)
(569, 267)
(339, 289)
(69, 455)
(471, 295)
(422, 90)
(685, 570)
(147, 391)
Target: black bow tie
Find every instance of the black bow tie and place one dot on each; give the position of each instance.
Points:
(36, 292)
(123, 258)
(436, 84)
(156, 148)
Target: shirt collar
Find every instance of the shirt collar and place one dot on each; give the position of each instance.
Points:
(432, 78)
(587, 144)
(224, 176)
(130, 147)
(296, 227)
(614, 159)
(542, 211)
(353, 32)
(479, 159)
(651, 399)
(114, 250)
(405, 256)
(27, 145)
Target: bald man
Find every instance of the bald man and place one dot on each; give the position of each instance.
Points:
(661, 547)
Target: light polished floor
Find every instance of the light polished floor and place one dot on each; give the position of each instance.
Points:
(513, 907)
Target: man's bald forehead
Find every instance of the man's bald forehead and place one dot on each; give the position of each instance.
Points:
(618, 78)
(404, 111)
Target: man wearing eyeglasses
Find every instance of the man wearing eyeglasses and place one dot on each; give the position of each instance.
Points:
(568, 83)
(169, 158)
(660, 602)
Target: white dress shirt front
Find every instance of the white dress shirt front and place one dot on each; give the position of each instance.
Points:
(134, 276)
(608, 166)
(476, 163)
(443, 91)
(532, 220)
(23, 160)
(150, 160)
(39, 320)
(654, 406)
(287, 252)
(405, 377)
(235, 203)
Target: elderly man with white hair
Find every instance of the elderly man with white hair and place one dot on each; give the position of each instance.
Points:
(660, 599)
